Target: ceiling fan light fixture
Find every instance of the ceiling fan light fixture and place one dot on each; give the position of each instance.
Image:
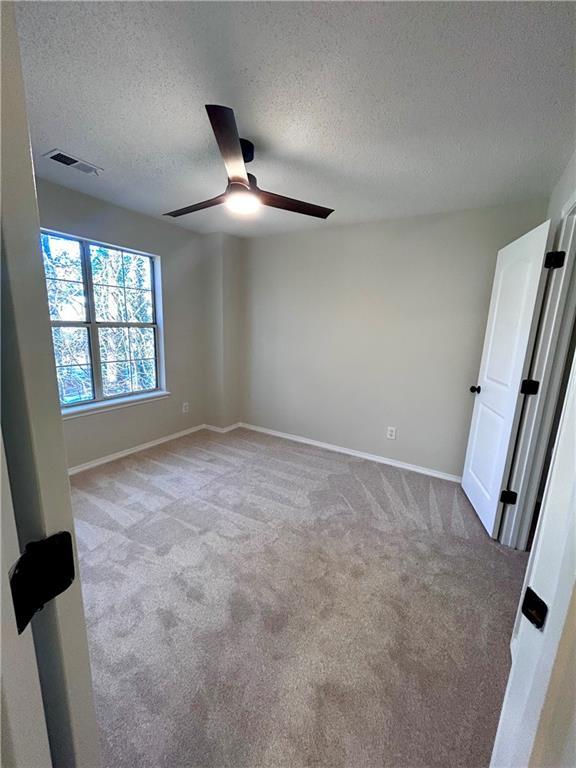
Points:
(243, 202)
(243, 196)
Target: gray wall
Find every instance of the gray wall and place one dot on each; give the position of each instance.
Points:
(351, 329)
(186, 292)
(224, 331)
(332, 334)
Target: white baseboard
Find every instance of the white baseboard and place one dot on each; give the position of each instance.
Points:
(143, 446)
(352, 452)
(274, 433)
(223, 430)
(136, 449)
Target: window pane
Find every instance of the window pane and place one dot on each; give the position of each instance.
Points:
(71, 346)
(143, 375)
(137, 271)
(66, 300)
(142, 344)
(109, 304)
(139, 306)
(75, 384)
(62, 258)
(116, 379)
(122, 293)
(106, 264)
(113, 344)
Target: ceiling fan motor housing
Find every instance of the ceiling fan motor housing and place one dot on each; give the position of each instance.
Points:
(247, 150)
(237, 186)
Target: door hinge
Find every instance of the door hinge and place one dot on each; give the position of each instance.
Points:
(508, 497)
(42, 572)
(554, 259)
(534, 608)
(529, 387)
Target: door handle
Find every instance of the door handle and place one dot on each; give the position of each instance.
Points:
(534, 608)
(43, 571)
(476, 390)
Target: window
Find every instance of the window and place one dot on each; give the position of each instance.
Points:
(103, 315)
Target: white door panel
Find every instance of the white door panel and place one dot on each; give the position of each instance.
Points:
(515, 301)
(489, 425)
(512, 284)
(535, 701)
(24, 734)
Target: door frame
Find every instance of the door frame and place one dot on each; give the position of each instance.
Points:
(33, 432)
(533, 699)
(24, 732)
(532, 324)
(546, 365)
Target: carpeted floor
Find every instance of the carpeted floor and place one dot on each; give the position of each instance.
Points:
(256, 603)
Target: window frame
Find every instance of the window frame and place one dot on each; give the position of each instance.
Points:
(100, 401)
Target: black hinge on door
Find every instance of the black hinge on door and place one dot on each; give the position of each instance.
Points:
(529, 387)
(534, 608)
(44, 570)
(554, 259)
(508, 497)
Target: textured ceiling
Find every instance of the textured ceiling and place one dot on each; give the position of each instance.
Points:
(375, 109)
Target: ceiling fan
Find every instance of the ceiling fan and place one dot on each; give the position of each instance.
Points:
(243, 195)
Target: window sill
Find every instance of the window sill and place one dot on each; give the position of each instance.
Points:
(103, 406)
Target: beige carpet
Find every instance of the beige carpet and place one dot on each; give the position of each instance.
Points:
(256, 603)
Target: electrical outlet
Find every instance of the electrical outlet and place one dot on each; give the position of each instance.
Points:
(391, 433)
(184, 407)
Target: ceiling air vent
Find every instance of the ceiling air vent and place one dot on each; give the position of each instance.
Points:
(73, 162)
(60, 157)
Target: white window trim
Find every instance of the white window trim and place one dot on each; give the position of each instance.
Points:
(113, 404)
(137, 398)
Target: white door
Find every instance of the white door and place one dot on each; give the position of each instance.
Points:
(32, 428)
(24, 734)
(538, 413)
(516, 297)
(537, 722)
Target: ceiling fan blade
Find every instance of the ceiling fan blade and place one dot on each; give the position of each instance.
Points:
(297, 206)
(197, 207)
(224, 126)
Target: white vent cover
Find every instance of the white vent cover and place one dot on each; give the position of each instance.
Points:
(72, 162)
